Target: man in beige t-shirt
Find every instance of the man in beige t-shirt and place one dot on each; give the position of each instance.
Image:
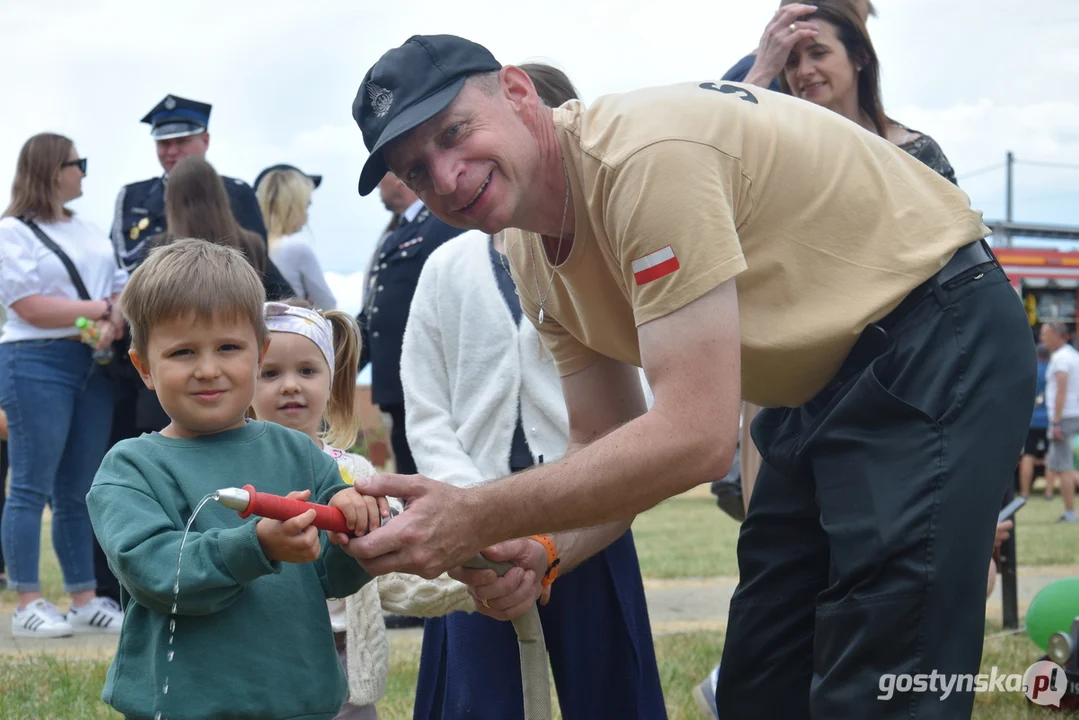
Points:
(732, 242)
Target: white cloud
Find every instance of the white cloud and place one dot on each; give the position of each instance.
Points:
(348, 289)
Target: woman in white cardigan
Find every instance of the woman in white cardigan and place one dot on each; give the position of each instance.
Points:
(483, 399)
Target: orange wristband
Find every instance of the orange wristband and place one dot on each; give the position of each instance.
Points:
(552, 558)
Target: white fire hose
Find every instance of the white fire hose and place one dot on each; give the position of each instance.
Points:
(535, 678)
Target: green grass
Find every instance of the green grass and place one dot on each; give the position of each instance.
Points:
(1040, 540)
(687, 536)
(49, 688)
(1012, 653)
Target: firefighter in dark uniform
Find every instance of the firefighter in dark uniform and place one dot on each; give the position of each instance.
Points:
(179, 129)
(391, 283)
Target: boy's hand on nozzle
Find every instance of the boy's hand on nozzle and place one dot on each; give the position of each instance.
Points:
(294, 540)
(363, 513)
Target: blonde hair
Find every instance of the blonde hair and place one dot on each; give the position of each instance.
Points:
(341, 419)
(283, 197)
(192, 276)
(33, 191)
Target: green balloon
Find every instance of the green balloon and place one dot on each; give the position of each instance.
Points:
(1052, 610)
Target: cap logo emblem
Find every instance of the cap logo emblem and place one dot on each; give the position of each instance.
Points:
(170, 104)
(381, 99)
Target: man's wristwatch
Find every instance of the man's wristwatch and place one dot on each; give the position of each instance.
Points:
(552, 558)
(108, 310)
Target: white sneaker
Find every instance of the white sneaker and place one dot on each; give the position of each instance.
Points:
(101, 615)
(40, 619)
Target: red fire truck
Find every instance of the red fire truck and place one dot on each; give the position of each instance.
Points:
(1046, 280)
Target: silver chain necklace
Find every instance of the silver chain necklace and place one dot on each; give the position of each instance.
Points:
(557, 253)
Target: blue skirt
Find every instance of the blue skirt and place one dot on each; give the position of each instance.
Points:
(598, 638)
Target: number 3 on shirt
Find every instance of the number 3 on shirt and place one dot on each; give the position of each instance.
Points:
(738, 92)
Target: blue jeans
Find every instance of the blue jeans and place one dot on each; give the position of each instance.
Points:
(59, 408)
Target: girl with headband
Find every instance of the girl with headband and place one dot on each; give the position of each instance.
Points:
(308, 382)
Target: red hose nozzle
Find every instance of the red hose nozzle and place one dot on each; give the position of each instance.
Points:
(249, 501)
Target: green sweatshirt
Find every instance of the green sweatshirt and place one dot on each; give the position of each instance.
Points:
(253, 637)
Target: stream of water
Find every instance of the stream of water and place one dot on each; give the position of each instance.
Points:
(176, 597)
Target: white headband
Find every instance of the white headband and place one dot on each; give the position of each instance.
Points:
(301, 321)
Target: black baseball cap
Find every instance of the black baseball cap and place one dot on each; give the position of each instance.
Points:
(408, 86)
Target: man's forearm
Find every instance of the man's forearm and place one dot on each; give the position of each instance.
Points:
(576, 546)
(613, 479)
(1058, 406)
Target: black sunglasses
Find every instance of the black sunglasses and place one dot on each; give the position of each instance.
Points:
(81, 162)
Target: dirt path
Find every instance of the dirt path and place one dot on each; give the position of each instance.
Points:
(683, 605)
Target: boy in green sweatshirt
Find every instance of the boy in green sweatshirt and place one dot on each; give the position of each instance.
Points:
(252, 633)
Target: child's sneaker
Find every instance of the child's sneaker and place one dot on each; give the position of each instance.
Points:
(101, 615)
(40, 619)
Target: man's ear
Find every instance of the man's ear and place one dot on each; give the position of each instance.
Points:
(142, 366)
(517, 87)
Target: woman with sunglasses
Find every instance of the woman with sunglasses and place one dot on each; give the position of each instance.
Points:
(54, 269)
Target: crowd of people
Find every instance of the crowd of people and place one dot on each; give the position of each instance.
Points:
(538, 254)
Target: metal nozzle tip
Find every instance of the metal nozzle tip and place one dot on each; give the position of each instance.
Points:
(233, 498)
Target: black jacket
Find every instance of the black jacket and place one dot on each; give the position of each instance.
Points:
(391, 284)
(140, 215)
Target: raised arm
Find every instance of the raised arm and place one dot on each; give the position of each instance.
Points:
(782, 33)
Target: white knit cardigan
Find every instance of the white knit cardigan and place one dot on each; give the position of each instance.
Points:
(365, 638)
(466, 367)
(366, 645)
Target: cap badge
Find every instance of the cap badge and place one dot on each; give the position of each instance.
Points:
(381, 99)
(170, 103)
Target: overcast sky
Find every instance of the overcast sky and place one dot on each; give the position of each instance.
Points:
(980, 76)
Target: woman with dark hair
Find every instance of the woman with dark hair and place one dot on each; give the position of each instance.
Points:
(54, 269)
(838, 69)
(197, 205)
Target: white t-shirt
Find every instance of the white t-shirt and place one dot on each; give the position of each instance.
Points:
(297, 262)
(1066, 360)
(27, 268)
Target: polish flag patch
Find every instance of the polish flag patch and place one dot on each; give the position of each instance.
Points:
(655, 265)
